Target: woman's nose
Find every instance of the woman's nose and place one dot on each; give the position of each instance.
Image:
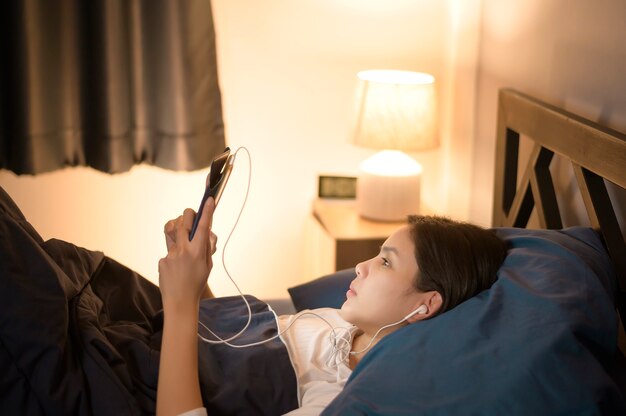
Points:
(361, 269)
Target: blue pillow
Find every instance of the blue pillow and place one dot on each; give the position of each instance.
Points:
(325, 292)
(541, 340)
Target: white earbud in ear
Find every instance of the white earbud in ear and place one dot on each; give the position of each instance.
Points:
(421, 311)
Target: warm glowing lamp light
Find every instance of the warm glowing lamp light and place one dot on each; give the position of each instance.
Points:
(396, 112)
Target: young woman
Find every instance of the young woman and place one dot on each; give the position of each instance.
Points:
(423, 269)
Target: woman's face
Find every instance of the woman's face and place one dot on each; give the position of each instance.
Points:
(383, 291)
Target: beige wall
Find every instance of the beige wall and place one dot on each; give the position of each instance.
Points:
(568, 52)
(287, 72)
(287, 75)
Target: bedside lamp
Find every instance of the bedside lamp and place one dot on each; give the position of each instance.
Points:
(396, 112)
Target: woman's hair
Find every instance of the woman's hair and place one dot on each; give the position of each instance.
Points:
(456, 259)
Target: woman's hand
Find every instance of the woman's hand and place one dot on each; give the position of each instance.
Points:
(184, 271)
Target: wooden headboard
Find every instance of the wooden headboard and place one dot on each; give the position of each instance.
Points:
(597, 154)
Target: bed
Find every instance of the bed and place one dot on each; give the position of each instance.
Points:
(80, 333)
(544, 338)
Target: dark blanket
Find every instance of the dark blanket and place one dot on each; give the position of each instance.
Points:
(80, 334)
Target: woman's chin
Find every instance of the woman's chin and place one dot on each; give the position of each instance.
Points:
(345, 311)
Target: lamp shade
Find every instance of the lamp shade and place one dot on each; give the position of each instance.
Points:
(396, 110)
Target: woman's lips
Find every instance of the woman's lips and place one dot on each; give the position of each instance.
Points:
(351, 292)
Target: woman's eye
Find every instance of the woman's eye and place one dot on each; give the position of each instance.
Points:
(385, 262)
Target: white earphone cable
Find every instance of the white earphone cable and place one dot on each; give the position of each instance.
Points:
(243, 205)
(341, 343)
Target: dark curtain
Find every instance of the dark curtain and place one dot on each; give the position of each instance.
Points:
(108, 84)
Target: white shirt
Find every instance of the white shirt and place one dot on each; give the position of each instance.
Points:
(310, 349)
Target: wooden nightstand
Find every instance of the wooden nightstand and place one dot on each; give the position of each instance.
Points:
(338, 238)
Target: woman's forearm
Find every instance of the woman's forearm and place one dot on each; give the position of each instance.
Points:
(179, 385)
(183, 274)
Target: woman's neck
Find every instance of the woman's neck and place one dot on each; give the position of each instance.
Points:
(360, 342)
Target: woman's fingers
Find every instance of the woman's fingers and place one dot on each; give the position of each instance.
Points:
(213, 241)
(203, 232)
(170, 233)
(188, 216)
(181, 226)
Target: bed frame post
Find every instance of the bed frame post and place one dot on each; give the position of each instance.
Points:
(507, 151)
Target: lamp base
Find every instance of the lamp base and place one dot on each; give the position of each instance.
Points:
(387, 198)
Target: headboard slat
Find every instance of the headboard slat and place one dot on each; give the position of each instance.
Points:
(543, 192)
(599, 205)
(593, 146)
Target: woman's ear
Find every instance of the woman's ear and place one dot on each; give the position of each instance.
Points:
(432, 301)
